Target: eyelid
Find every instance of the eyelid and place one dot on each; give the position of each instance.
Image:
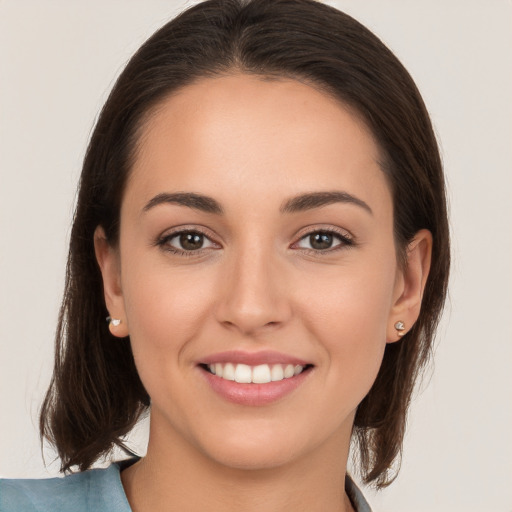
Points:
(346, 238)
(325, 228)
(163, 239)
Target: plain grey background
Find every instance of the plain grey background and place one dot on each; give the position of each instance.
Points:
(58, 60)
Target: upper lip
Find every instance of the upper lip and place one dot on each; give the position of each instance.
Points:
(253, 358)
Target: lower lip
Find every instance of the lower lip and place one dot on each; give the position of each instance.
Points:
(254, 394)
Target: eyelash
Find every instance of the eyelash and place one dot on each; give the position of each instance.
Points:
(163, 242)
(345, 240)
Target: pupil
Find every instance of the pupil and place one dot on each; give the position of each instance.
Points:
(321, 240)
(191, 241)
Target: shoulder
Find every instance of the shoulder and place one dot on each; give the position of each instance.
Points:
(94, 490)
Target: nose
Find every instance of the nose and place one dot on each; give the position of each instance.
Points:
(253, 294)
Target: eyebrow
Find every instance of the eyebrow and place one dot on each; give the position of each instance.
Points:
(296, 204)
(189, 199)
(313, 200)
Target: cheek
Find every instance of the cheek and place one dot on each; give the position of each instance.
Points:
(349, 319)
(352, 301)
(165, 310)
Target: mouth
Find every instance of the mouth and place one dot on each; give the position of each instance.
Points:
(257, 374)
(254, 378)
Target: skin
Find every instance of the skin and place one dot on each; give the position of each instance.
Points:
(257, 284)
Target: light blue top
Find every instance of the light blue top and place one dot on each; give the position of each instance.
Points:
(95, 490)
(98, 490)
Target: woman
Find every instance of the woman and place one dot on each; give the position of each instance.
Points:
(261, 217)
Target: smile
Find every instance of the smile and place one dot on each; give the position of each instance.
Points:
(254, 378)
(260, 374)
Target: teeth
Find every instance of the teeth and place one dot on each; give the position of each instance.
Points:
(277, 372)
(289, 371)
(242, 373)
(261, 374)
(229, 372)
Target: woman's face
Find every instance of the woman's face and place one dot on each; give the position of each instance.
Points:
(256, 233)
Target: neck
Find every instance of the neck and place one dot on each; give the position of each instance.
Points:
(176, 477)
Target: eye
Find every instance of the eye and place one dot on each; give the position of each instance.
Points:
(323, 241)
(186, 241)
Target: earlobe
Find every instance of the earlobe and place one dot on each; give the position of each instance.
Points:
(108, 261)
(411, 285)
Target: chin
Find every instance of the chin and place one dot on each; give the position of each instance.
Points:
(253, 458)
(262, 447)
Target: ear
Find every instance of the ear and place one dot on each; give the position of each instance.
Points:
(108, 261)
(410, 285)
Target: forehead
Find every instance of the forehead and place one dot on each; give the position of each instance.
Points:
(257, 138)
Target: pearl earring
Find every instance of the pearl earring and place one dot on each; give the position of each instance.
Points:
(400, 328)
(114, 322)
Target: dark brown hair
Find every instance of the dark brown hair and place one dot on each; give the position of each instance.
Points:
(95, 396)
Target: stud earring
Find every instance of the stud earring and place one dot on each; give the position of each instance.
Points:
(114, 322)
(400, 328)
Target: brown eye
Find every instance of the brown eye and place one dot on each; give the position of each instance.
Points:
(191, 241)
(186, 241)
(323, 241)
